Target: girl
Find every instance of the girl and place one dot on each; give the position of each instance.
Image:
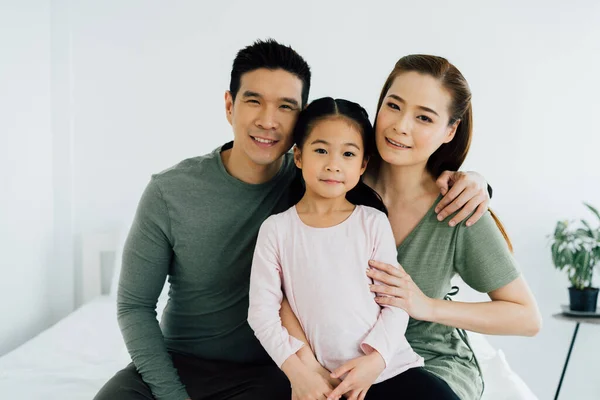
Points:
(316, 253)
(423, 126)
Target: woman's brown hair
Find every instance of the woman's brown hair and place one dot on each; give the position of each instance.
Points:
(449, 156)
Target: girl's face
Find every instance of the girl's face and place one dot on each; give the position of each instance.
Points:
(413, 120)
(332, 158)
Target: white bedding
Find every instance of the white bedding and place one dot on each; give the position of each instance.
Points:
(70, 360)
(75, 357)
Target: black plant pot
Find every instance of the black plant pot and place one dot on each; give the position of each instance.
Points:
(583, 300)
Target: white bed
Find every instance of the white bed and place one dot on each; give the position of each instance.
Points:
(75, 357)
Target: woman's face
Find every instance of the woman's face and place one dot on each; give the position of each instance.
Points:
(413, 120)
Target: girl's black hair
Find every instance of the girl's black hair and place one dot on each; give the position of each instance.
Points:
(325, 108)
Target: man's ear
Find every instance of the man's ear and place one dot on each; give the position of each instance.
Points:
(298, 157)
(451, 131)
(229, 106)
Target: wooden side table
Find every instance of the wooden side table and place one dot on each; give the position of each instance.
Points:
(578, 320)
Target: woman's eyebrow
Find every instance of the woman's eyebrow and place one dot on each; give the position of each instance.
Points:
(401, 100)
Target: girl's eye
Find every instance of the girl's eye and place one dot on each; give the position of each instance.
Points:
(425, 118)
(393, 106)
(321, 151)
(349, 154)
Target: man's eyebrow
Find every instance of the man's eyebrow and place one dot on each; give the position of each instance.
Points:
(401, 100)
(292, 101)
(249, 93)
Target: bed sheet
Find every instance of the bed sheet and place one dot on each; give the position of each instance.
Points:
(74, 358)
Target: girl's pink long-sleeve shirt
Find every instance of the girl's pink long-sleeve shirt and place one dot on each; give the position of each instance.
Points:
(322, 271)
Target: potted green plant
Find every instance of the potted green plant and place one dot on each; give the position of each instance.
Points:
(576, 250)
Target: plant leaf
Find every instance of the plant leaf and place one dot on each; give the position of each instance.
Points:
(593, 210)
(560, 228)
(584, 233)
(554, 250)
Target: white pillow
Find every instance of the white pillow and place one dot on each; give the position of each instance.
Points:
(501, 383)
(116, 273)
(481, 346)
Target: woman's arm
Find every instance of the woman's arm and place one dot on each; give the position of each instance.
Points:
(511, 311)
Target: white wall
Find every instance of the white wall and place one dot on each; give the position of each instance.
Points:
(145, 82)
(26, 187)
(150, 79)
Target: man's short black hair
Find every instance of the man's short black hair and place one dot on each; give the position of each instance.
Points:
(271, 55)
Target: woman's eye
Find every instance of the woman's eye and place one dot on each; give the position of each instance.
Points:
(425, 118)
(321, 151)
(393, 106)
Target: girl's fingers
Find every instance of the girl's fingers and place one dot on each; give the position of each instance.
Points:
(347, 367)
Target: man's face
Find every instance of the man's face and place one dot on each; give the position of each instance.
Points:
(264, 113)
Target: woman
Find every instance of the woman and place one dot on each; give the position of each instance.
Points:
(424, 126)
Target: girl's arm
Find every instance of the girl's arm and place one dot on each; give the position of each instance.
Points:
(387, 335)
(305, 354)
(266, 296)
(291, 323)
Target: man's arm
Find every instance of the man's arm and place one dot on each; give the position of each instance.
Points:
(465, 192)
(146, 260)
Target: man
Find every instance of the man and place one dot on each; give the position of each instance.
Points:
(196, 224)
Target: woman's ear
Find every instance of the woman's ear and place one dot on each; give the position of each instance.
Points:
(298, 157)
(451, 131)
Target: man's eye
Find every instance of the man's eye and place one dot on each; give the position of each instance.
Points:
(253, 101)
(286, 107)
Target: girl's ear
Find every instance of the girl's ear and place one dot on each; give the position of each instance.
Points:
(297, 157)
(364, 165)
